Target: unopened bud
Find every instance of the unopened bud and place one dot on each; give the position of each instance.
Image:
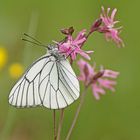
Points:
(67, 31)
(98, 75)
(96, 25)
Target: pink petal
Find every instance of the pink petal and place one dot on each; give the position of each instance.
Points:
(86, 71)
(82, 53)
(107, 84)
(110, 73)
(90, 69)
(108, 10)
(96, 95)
(73, 55)
(97, 91)
(89, 52)
(103, 11)
(81, 63)
(81, 35)
(80, 41)
(113, 14)
(81, 78)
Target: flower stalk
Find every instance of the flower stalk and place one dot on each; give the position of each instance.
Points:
(54, 121)
(60, 123)
(77, 113)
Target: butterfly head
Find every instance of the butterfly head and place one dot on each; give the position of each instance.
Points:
(54, 51)
(52, 47)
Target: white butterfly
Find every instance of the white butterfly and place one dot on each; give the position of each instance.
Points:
(49, 82)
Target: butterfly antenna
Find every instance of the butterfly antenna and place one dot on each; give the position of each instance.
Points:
(32, 38)
(30, 41)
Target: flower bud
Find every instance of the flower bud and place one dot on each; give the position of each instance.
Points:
(67, 31)
(96, 25)
(98, 75)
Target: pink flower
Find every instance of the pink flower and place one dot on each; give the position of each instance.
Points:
(71, 47)
(86, 71)
(111, 33)
(98, 80)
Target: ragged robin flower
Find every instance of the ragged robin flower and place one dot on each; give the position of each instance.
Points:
(98, 80)
(71, 47)
(108, 26)
(16, 70)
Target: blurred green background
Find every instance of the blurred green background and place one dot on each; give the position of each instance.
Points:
(117, 115)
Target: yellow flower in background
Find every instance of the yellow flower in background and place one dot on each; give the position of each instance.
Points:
(3, 57)
(16, 70)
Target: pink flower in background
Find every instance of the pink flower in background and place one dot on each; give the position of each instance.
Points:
(98, 80)
(71, 47)
(86, 71)
(111, 33)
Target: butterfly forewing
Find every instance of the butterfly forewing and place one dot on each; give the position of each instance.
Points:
(25, 93)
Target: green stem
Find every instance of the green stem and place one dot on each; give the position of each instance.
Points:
(76, 114)
(60, 123)
(54, 121)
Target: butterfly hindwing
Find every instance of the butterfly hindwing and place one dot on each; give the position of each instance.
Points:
(61, 86)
